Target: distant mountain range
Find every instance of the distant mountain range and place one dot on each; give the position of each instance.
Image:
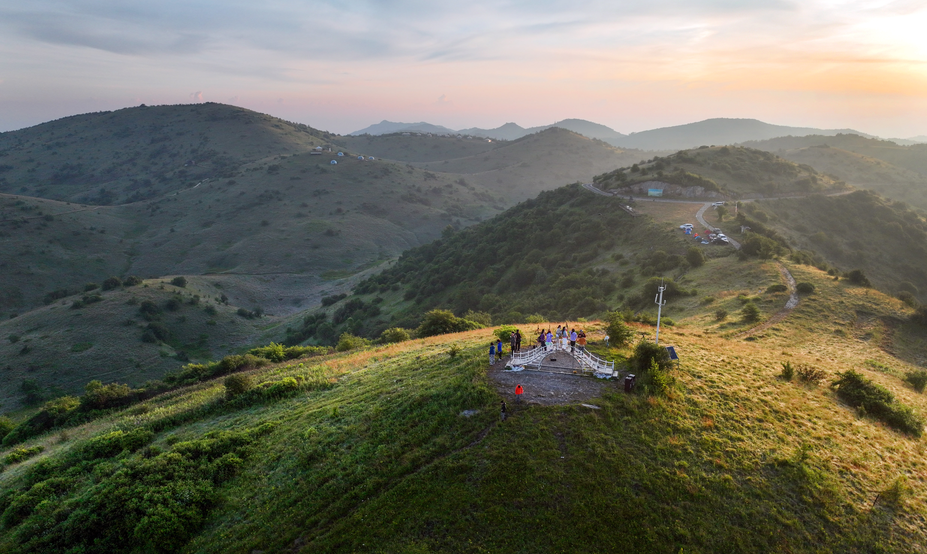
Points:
(711, 131)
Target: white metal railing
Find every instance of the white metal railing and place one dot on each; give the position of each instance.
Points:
(586, 359)
(528, 356)
(593, 362)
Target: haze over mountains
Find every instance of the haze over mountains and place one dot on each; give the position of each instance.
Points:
(710, 131)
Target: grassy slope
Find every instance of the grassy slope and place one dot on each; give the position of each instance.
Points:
(909, 157)
(737, 171)
(856, 231)
(62, 348)
(537, 162)
(735, 460)
(416, 148)
(864, 171)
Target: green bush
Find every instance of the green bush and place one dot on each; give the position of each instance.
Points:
(112, 283)
(908, 299)
(778, 287)
(347, 341)
(149, 310)
(720, 314)
(132, 281)
(439, 322)
(810, 374)
(619, 334)
(920, 315)
(113, 443)
(505, 332)
(917, 379)
(857, 277)
(19, 454)
(6, 425)
(482, 318)
(750, 313)
(98, 396)
(179, 281)
(394, 334)
(237, 384)
(787, 371)
(875, 400)
(695, 256)
(804, 288)
(646, 354)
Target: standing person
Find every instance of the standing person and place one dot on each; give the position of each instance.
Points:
(518, 392)
(499, 348)
(549, 339)
(606, 340)
(581, 340)
(517, 340)
(512, 343)
(492, 352)
(503, 410)
(559, 332)
(565, 340)
(572, 340)
(541, 340)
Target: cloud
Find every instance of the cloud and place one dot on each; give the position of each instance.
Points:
(196, 96)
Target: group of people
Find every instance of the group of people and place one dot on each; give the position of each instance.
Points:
(563, 337)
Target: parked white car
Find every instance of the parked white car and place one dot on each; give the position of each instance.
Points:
(685, 226)
(716, 204)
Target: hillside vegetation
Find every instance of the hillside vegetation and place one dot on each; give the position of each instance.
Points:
(377, 451)
(733, 171)
(913, 157)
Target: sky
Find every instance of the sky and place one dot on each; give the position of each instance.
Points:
(341, 66)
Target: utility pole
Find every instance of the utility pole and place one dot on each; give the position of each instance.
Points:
(658, 300)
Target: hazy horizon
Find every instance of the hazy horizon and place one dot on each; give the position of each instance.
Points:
(341, 67)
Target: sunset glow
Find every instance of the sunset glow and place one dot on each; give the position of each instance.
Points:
(341, 66)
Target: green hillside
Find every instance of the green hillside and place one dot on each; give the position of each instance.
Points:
(730, 171)
(913, 157)
(144, 152)
(415, 148)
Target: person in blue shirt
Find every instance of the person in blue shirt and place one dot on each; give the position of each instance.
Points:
(492, 353)
(499, 348)
(572, 340)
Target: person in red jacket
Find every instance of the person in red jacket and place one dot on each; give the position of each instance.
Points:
(518, 392)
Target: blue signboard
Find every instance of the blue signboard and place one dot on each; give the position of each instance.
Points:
(654, 192)
(672, 352)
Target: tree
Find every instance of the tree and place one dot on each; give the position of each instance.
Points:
(179, 281)
(439, 322)
(112, 283)
(646, 354)
(394, 334)
(857, 277)
(722, 211)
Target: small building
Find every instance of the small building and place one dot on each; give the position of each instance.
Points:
(371, 158)
(361, 158)
(334, 162)
(340, 154)
(318, 148)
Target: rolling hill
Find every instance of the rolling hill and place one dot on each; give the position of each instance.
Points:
(912, 157)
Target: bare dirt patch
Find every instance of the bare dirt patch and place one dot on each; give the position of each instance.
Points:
(546, 388)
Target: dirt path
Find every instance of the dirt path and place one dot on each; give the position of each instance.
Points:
(780, 315)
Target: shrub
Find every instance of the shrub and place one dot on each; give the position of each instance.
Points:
(132, 281)
(875, 400)
(804, 288)
(347, 341)
(857, 277)
(810, 374)
(149, 310)
(173, 304)
(112, 283)
(750, 313)
(439, 322)
(908, 298)
(720, 314)
(158, 330)
(778, 287)
(917, 379)
(695, 256)
(19, 454)
(237, 384)
(329, 300)
(657, 380)
(787, 371)
(394, 334)
(646, 354)
(920, 315)
(619, 334)
(98, 396)
(210, 310)
(13, 338)
(61, 406)
(535, 319)
(505, 332)
(454, 350)
(179, 281)
(6, 425)
(91, 286)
